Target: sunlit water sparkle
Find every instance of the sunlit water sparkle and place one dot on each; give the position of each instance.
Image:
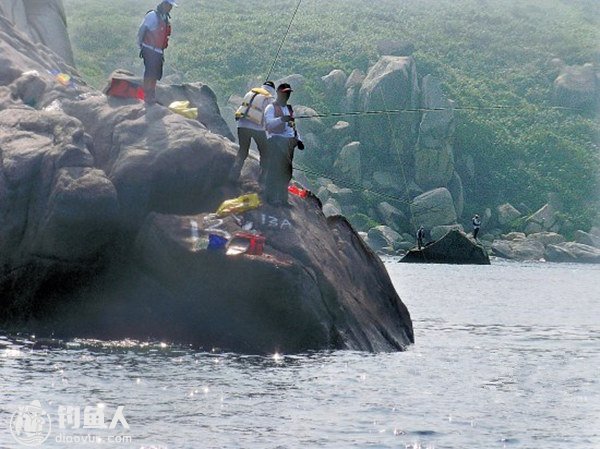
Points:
(506, 356)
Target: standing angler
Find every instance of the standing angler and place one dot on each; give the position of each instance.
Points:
(251, 125)
(283, 138)
(476, 225)
(153, 38)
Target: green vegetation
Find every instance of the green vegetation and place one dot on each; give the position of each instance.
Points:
(485, 52)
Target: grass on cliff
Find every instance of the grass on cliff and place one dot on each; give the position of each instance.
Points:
(485, 52)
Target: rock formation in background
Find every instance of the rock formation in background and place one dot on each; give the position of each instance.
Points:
(43, 21)
(577, 86)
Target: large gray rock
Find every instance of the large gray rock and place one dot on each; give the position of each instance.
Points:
(103, 215)
(455, 187)
(348, 162)
(438, 232)
(390, 84)
(52, 199)
(434, 156)
(507, 214)
(332, 208)
(587, 238)
(547, 238)
(43, 21)
(383, 236)
(336, 80)
(392, 217)
(519, 249)
(349, 102)
(545, 219)
(572, 252)
(201, 96)
(341, 133)
(577, 86)
(310, 122)
(454, 248)
(433, 208)
(334, 86)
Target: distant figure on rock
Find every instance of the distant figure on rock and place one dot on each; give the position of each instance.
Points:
(420, 237)
(250, 118)
(476, 225)
(153, 39)
(283, 138)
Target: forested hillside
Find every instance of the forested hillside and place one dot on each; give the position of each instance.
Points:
(485, 53)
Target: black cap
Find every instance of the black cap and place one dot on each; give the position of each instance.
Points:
(269, 83)
(284, 87)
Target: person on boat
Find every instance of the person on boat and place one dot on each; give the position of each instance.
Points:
(153, 39)
(476, 225)
(250, 118)
(420, 237)
(282, 139)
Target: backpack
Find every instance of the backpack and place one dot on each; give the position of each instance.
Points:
(253, 105)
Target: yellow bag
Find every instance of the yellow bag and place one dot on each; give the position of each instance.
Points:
(239, 204)
(183, 108)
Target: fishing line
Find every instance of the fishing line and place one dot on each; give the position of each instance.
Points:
(415, 110)
(349, 184)
(283, 40)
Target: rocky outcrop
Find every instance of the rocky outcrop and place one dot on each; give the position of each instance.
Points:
(545, 219)
(437, 232)
(390, 84)
(334, 86)
(348, 162)
(519, 249)
(454, 248)
(507, 213)
(97, 199)
(586, 238)
(382, 236)
(392, 216)
(433, 208)
(434, 156)
(577, 86)
(545, 246)
(547, 238)
(43, 21)
(572, 252)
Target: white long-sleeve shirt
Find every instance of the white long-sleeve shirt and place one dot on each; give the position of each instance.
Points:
(271, 122)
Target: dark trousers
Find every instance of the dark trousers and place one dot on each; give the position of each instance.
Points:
(279, 169)
(153, 71)
(245, 136)
(475, 232)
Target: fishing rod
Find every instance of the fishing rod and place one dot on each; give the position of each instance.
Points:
(283, 41)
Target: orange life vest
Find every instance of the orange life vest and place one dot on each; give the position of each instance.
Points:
(158, 38)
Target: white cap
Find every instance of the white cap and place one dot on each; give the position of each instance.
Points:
(170, 2)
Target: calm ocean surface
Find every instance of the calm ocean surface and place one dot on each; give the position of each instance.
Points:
(506, 356)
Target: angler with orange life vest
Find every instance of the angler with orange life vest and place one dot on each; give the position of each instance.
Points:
(153, 39)
(251, 125)
(282, 138)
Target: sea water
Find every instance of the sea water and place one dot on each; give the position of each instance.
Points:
(506, 356)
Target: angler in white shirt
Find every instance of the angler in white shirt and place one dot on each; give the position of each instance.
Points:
(282, 138)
